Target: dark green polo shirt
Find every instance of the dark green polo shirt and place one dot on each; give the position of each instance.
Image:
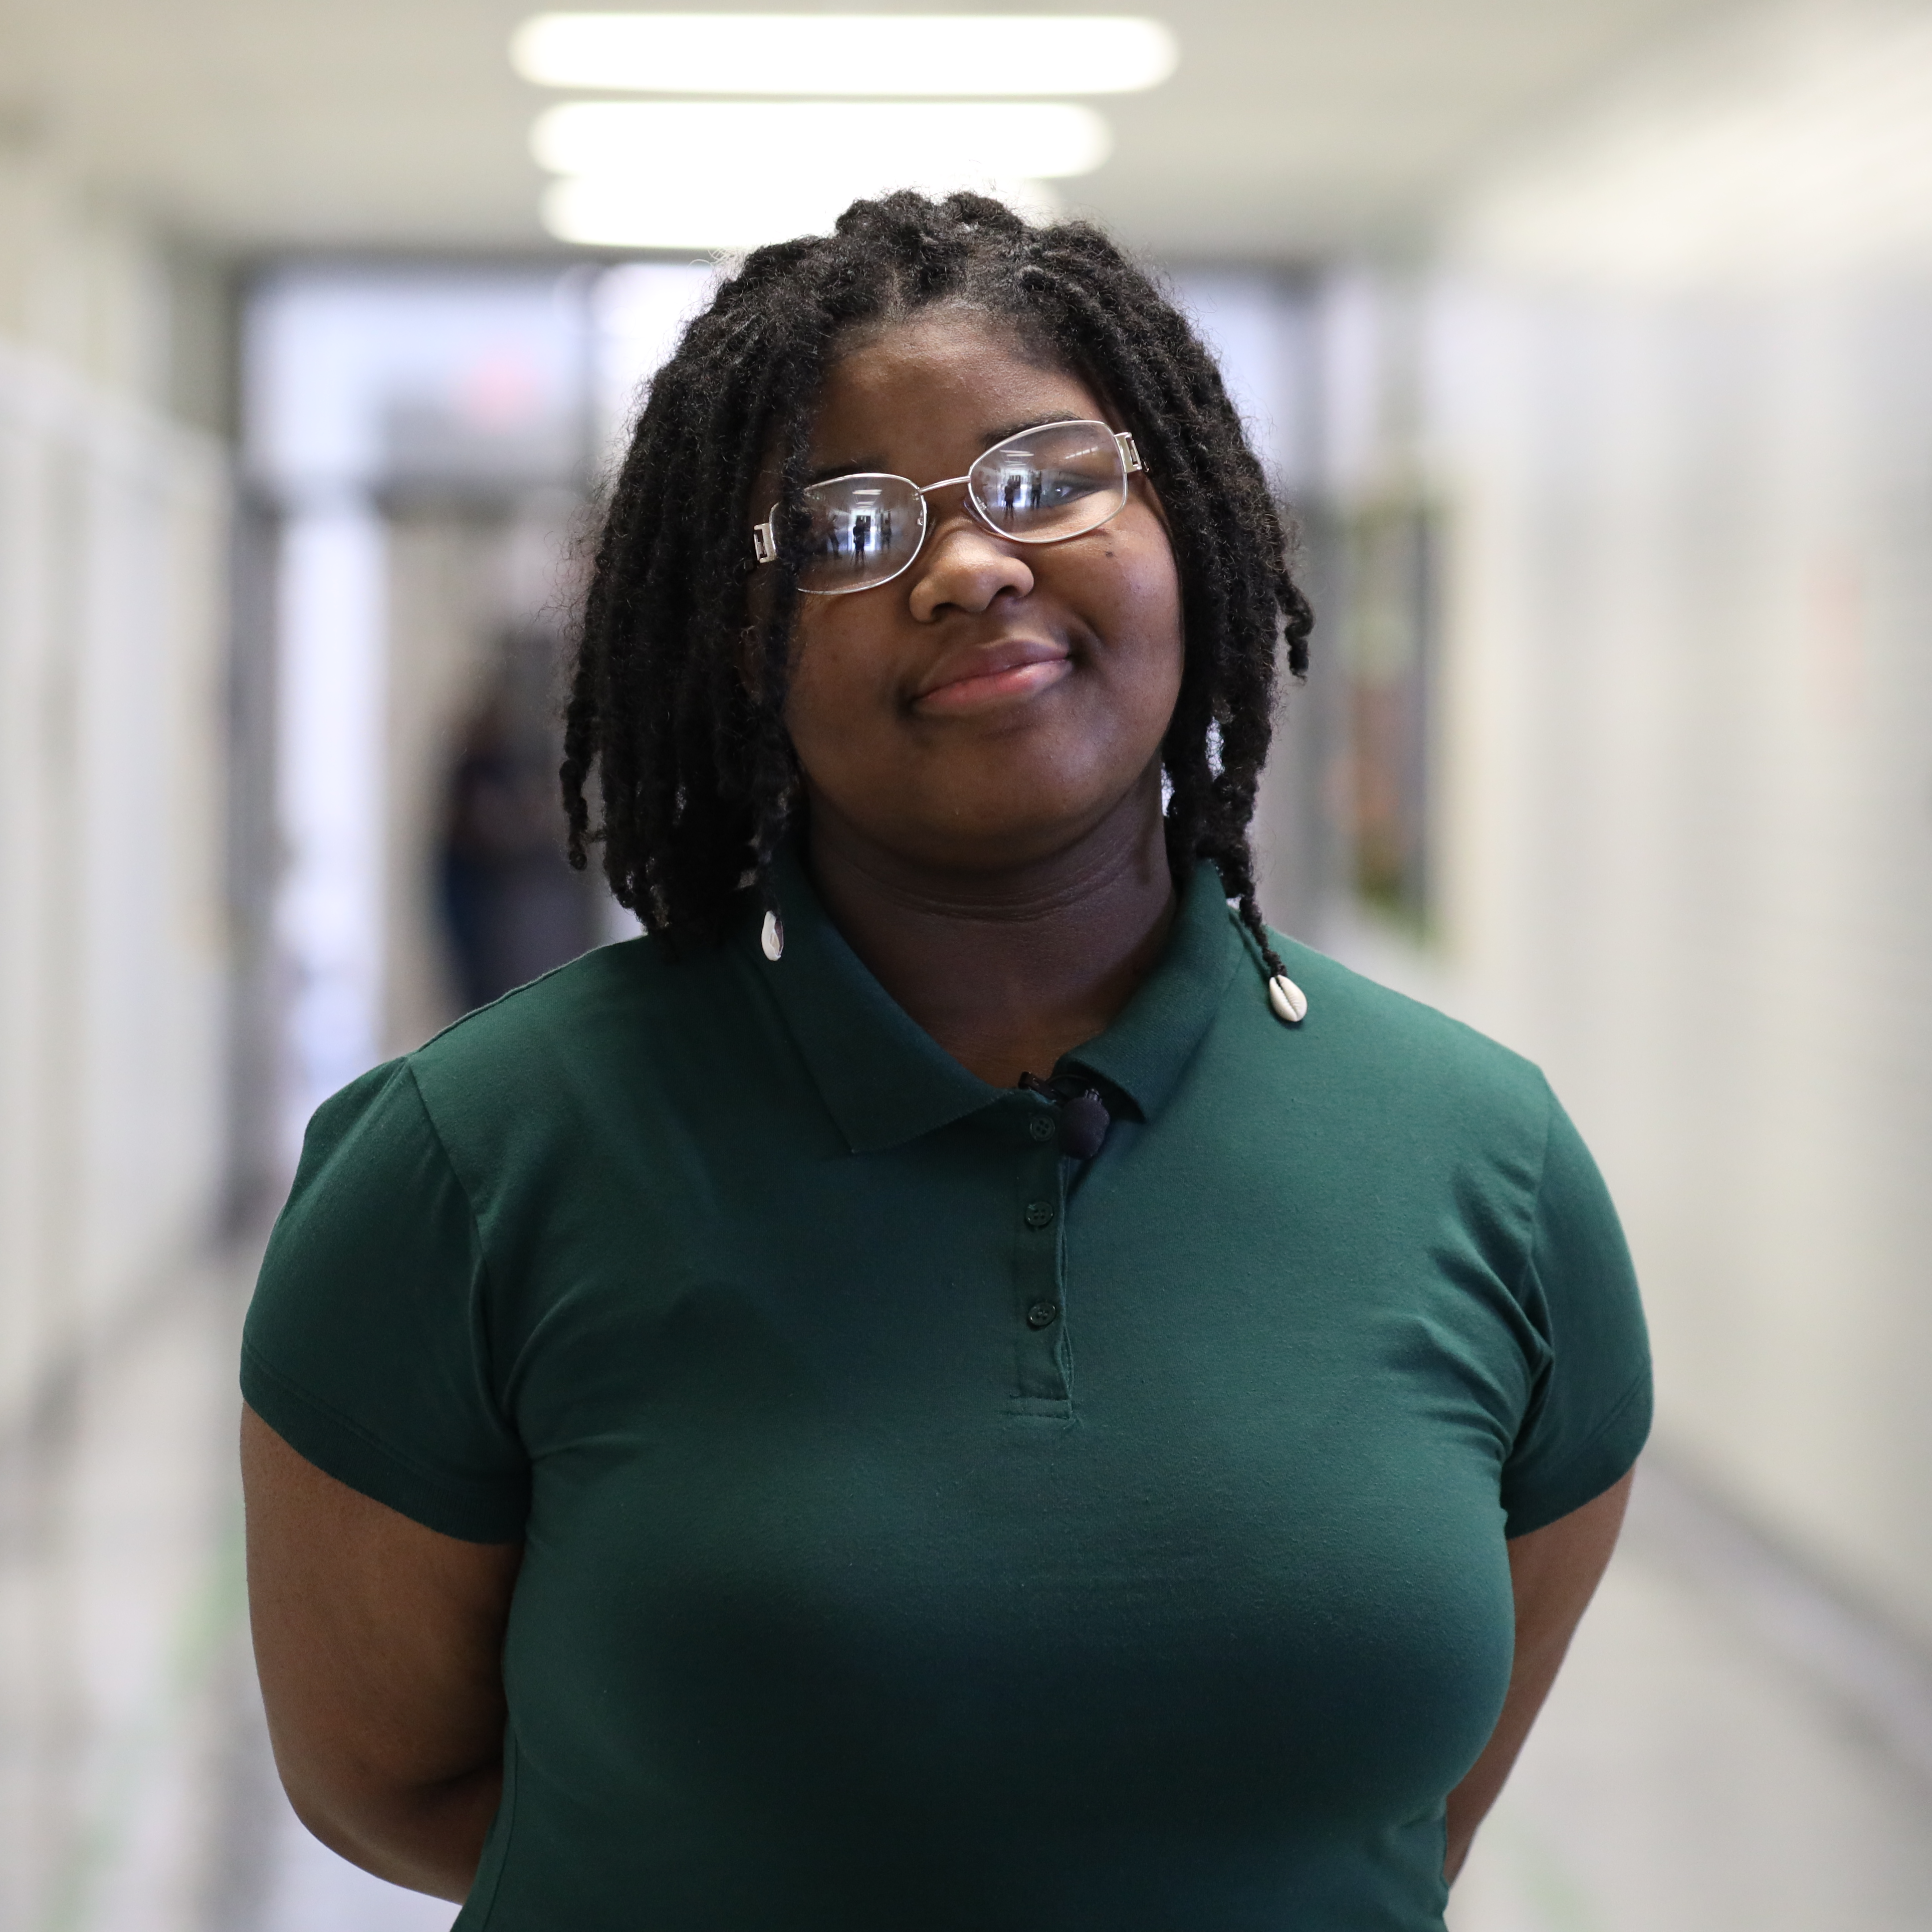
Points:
(924, 1531)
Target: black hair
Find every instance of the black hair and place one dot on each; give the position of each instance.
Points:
(676, 699)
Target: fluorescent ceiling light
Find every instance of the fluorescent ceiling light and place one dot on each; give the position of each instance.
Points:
(880, 145)
(610, 212)
(844, 54)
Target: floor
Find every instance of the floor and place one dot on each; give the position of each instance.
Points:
(1685, 1777)
(1692, 1773)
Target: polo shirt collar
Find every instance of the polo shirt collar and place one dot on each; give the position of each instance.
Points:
(885, 1081)
(884, 1078)
(1144, 1053)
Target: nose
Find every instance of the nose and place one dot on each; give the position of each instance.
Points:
(965, 567)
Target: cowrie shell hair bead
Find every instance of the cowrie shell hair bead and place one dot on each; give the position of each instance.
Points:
(1289, 1002)
(771, 938)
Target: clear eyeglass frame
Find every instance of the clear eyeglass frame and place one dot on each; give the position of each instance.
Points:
(764, 538)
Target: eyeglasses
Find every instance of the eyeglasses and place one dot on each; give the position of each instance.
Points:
(1041, 486)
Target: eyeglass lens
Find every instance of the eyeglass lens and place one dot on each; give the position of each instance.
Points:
(1052, 482)
(1039, 487)
(864, 529)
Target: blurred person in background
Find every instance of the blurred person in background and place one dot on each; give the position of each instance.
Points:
(963, 1381)
(512, 906)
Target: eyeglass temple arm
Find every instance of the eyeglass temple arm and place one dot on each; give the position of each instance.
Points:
(765, 543)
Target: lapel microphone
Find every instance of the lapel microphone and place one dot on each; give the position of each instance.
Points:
(1084, 1120)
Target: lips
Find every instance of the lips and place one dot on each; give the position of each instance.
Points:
(990, 675)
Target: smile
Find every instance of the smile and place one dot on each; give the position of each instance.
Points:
(987, 679)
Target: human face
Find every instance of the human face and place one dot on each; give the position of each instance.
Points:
(998, 701)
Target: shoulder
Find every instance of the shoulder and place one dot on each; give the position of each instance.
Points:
(633, 997)
(1379, 1091)
(627, 1032)
(1398, 1046)
(615, 983)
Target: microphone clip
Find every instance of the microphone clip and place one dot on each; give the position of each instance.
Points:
(1084, 1118)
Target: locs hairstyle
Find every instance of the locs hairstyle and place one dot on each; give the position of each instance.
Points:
(677, 697)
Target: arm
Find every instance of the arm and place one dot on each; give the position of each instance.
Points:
(379, 1644)
(1553, 1573)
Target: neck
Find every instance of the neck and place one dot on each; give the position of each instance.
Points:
(1007, 969)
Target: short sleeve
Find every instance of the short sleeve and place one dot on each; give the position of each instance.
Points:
(1590, 1411)
(365, 1348)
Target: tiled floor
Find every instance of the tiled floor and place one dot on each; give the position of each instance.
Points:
(1686, 1778)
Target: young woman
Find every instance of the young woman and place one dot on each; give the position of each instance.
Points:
(962, 1382)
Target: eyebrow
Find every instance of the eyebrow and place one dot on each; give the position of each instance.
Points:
(875, 466)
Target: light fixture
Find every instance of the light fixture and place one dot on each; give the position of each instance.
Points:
(638, 212)
(720, 174)
(877, 143)
(984, 55)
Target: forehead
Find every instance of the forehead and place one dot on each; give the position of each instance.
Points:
(936, 383)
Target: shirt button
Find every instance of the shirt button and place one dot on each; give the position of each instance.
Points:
(1040, 1127)
(1042, 1315)
(1039, 1214)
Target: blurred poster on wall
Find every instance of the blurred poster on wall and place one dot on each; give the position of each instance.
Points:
(1384, 611)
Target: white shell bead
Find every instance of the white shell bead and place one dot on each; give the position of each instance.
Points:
(1289, 1002)
(772, 937)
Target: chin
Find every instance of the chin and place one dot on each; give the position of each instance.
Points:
(1006, 831)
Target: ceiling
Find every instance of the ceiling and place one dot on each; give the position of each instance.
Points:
(1291, 127)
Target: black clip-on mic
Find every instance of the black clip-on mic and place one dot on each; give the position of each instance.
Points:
(1084, 1120)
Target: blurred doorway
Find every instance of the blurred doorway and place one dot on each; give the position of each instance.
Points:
(422, 444)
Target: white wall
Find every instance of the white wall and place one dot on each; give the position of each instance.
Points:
(1687, 827)
(112, 562)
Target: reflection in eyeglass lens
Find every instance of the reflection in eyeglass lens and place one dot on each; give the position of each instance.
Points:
(1044, 485)
(1047, 482)
(851, 534)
